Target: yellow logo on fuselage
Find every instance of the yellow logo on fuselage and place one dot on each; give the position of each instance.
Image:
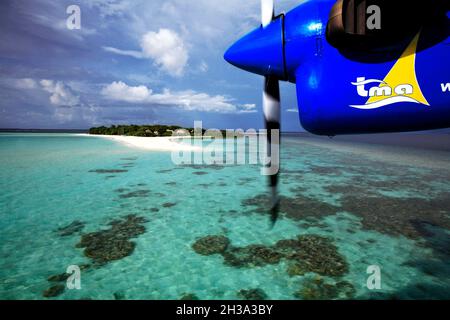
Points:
(400, 85)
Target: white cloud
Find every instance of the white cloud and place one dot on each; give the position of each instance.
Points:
(110, 7)
(292, 110)
(61, 94)
(248, 108)
(205, 23)
(68, 106)
(187, 100)
(25, 83)
(166, 48)
(119, 91)
(131, 53)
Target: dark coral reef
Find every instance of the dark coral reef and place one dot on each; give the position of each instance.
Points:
(114, 243)
(189, 297)
(135, 194)
(54, 291)
(318, 289)
(297, 208)
(252, 294)
(306, 253)
(379, 212)
(211, 245)
(71, 229)
(312, 253)
(107, 171)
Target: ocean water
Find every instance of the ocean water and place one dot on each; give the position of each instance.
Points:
(355, 205)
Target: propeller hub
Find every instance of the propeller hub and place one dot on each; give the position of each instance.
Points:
(261, 51)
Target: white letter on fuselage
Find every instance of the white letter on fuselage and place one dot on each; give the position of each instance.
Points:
(361, 88)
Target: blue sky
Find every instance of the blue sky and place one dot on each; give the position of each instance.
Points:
(140, 61)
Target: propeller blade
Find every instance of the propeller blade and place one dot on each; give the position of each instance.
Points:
(267, 12)
(272, 115)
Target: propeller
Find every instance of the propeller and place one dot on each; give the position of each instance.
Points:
(261, 52)
(267, 12)
(272, 115)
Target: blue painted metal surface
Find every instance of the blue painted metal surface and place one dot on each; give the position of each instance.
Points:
(261, 51)
(329, 98)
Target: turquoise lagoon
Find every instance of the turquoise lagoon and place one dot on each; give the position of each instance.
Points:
(377, 205)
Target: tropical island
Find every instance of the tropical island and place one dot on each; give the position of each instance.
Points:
(153, 137)
(142, 130)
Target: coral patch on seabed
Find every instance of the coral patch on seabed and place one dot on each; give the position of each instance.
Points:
(252, 294)
(388, 215)
(64, 276)
(141, 184)
(332, 170)
(58, 289)
(135, 194)
(164, 171)
(312, 253)
(203, 167)
(307, 253)
(58, 277)
(251, 256)
(119, 296)
(169, 204)
(318, 289)
(54, 291)
(200, 173)
(189, 297)
(107, 171)
(71, 229)
(211, 245)
(114, 243)
(296, 208)
(398, 216)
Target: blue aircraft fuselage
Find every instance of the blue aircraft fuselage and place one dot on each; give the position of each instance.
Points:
(406, 88)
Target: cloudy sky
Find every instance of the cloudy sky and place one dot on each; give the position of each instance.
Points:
(132, 61)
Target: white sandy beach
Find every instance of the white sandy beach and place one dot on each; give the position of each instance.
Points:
(152, 143)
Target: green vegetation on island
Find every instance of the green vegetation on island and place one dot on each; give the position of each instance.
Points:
(138, 131)
(143, 131)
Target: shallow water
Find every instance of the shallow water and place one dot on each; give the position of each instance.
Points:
(377, 205)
